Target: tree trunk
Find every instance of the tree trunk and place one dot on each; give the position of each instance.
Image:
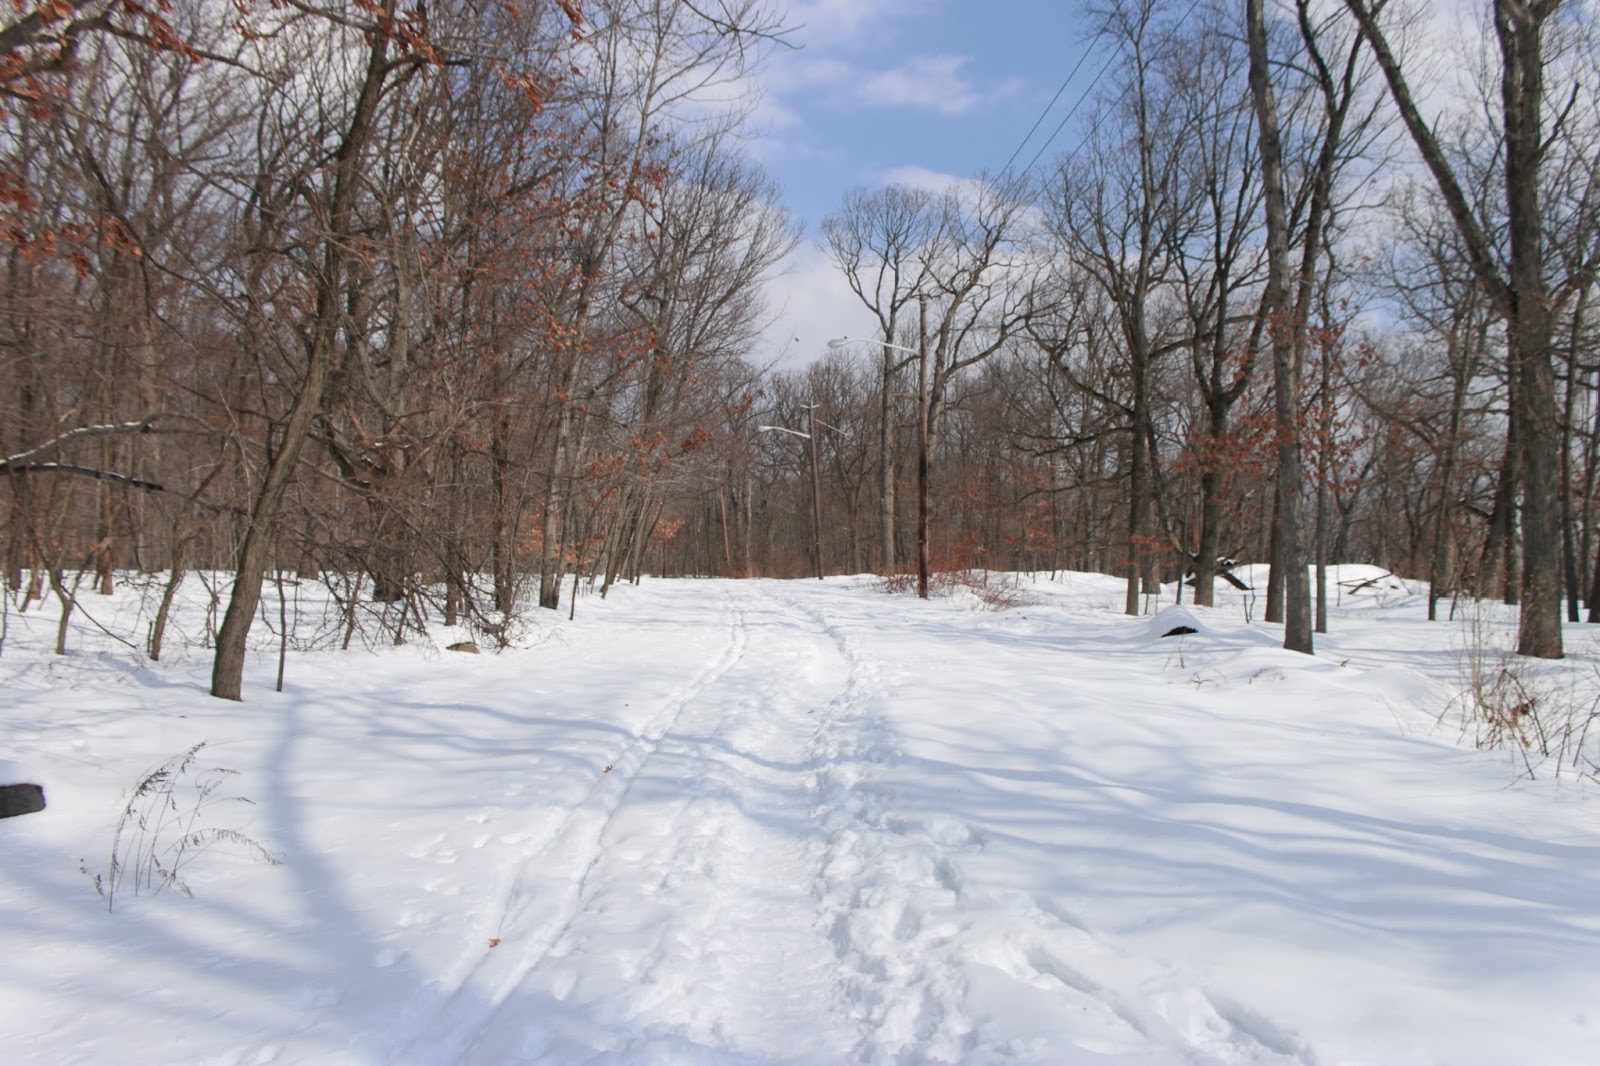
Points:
(1136, 508)
(1273, 609)
(1205, 563)
(1285, 359)
(1495, 578)
(1594, 589)
(1569, 543)
(1442, 569)
(1521, 296)
(886, 491)
(1518, 27)
(227, 673)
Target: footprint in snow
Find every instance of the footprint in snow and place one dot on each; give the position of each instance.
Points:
(423, 850)
(315, 996)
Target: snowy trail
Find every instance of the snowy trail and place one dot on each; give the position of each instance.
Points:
(941, 967)
(764, 823)
(692, 840)
(745, 857)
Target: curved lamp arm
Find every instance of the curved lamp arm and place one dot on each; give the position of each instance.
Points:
(840, 342)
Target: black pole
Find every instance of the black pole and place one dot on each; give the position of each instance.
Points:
(922, 448)
(816, 489)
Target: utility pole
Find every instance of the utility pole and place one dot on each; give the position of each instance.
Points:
(921, 354)
(816, 478)
(816, 488)
(922, 447)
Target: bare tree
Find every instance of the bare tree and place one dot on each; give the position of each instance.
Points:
(1216, 269)
(1285, 358)
(393, 52)
(692, 286)
(1120, 210)
(876, 238)
(1517, 282)
(649, 61)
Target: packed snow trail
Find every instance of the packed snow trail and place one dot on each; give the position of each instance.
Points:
(739, 867)
(807, 824)
(680, 876)
(940, 969)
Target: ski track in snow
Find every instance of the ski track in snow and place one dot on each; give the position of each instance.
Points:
(872, 895)
(575, 843)
(637, 843)
(892, 938)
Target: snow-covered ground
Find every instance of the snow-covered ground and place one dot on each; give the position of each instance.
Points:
(738, 822)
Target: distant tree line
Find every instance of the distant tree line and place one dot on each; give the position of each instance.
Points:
(1265, 310)
(440, 299)
(454, 305)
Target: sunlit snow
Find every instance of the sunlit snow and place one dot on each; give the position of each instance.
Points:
(720, 822)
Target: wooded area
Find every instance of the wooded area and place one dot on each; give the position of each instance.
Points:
(451, 303)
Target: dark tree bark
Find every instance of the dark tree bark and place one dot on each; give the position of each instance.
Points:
(1297, 634)
(1519, 291)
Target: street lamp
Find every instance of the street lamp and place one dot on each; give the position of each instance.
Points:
(816, 479)
(921, 352)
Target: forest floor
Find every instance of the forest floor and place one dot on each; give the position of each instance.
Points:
(740, 822)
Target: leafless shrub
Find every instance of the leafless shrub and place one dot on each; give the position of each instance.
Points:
(1543, 713)
(990, 589)
(162, 828)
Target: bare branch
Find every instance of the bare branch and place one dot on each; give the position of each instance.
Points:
(82, 471)
(72, 436)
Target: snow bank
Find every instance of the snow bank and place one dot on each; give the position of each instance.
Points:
(1169, 620)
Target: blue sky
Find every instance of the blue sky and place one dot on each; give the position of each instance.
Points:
(916, 91)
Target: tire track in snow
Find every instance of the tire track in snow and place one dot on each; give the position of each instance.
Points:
(1126, 1003)
(486, 976)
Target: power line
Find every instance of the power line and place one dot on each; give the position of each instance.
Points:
(1082, 96)
(1045, 113)
(1072, 111)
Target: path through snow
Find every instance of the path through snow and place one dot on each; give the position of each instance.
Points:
(767, 822)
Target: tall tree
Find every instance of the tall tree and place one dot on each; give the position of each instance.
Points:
(649, 62)
(1216, 269)
(1291, 555)
(394, 51)
(876, 238)
(1120, 211)
(1517, 282)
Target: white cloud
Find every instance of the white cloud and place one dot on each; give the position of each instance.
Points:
(935, 82)
(969, 191)
(927, 82)
(922, 178)
(846, 22)
(813, 305)
(770, 115)
(851, 53)
(805, 71)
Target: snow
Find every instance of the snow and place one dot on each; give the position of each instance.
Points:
(740, 822)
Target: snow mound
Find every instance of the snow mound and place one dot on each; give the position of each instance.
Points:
(1173, 621)
(13, 772)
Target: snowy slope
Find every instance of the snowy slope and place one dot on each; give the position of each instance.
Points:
(807, 822)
